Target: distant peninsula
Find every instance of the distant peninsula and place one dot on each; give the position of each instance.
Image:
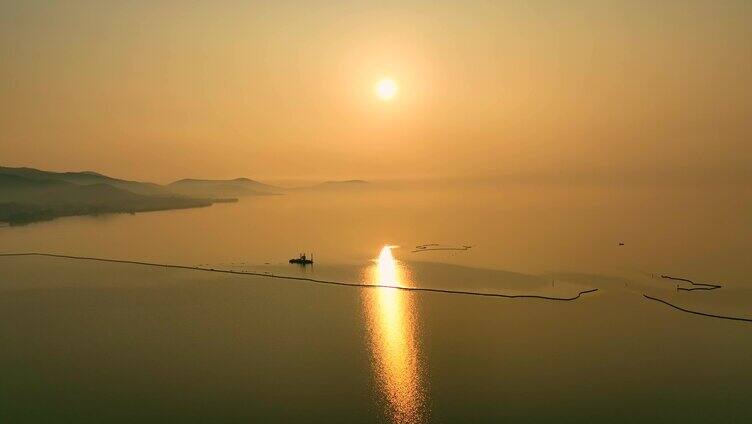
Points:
(31, 195)
(344, 183)
(338, 185)
(239, 187)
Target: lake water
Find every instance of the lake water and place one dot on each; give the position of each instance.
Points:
(102, 342)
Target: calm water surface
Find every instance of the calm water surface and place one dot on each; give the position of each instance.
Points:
(92, 341)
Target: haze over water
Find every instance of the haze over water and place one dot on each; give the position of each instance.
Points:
(532, 228)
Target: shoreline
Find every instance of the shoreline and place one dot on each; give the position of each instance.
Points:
(43, 216)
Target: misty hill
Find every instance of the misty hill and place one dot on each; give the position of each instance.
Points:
(15, 188)
(24, 200)
(345, 183)
(239, 187)
(341, 185)
(85, 178)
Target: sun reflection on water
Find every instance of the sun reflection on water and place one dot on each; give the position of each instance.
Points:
(391, 317)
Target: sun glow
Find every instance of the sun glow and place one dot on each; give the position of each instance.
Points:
(387, 268)
(386, 89)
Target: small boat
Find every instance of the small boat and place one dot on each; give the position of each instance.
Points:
(302, 260)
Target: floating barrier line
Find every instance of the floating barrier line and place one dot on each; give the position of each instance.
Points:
(433, 249)
(709, 286)
(312, 280)
(695, 288)
(436, 246)
(698, 313)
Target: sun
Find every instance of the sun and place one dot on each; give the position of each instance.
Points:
(386, 89)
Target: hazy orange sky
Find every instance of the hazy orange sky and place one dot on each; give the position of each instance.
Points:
(165, 90)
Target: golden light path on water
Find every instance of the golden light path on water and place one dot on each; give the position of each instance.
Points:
(391, 318)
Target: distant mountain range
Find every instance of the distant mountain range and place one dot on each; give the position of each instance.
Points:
(239, 187)
(337, 185)
(30, 195)
(343, 183)
(84, 178)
